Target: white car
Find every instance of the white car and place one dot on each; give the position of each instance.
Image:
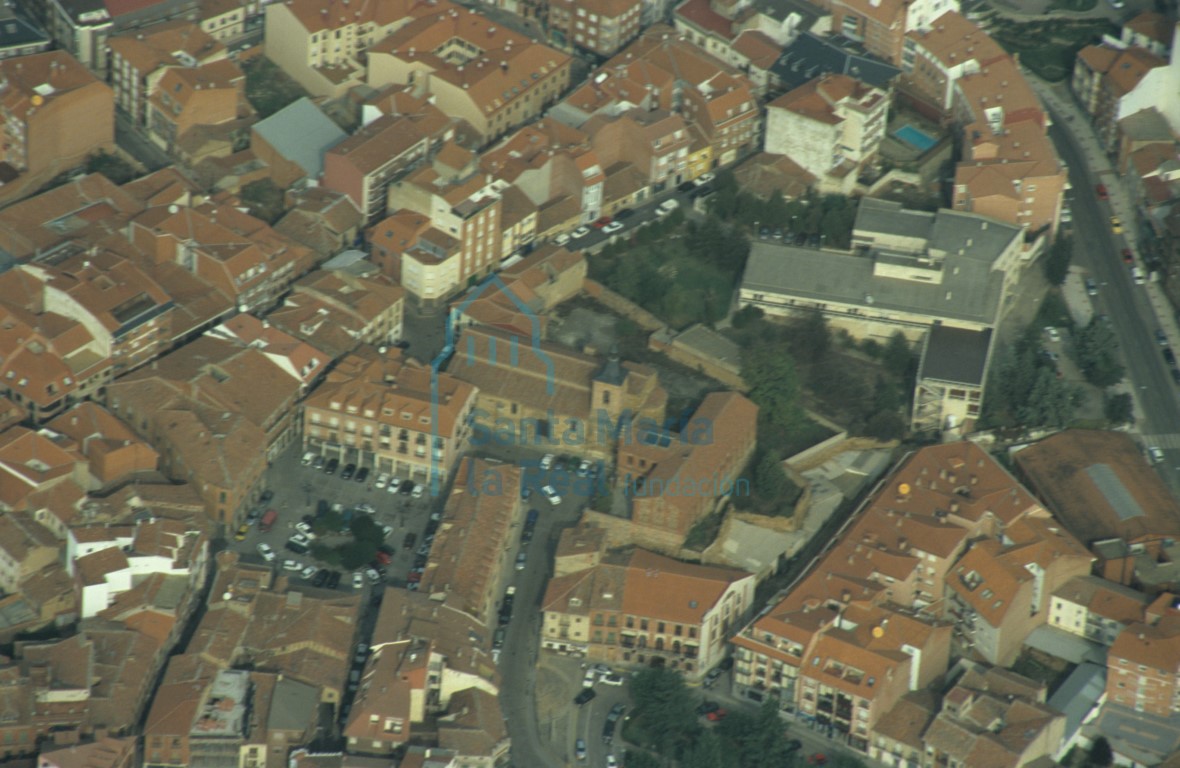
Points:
(589, 679)
(419, 489)
(611, 762)
(584, 468)
(372, 575)
(550, 493)
(611, 679)
(309, 571)
(703, 179)
(307, 459)
(382, 480)
(267, 553)
(292, 565)
(358, 580)
(1052, 333)
(368, 509)
(301, 539)
(393, 485)
(561, 239)
(305, 529)
(613, 227)
(547, 461)
(386, 530)
(667, 207)
(1156, 454)
(580, 232)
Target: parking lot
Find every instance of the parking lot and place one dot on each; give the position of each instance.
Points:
(298, 490)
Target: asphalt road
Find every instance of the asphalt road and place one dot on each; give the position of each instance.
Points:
(134, 143)
(1098, 249)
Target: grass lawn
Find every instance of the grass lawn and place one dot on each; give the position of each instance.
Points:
(268, 88)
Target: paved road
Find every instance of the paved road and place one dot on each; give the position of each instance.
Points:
(134, 143)
(1127, 305)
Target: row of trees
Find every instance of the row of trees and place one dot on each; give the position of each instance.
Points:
(665, 723)
(828, 216)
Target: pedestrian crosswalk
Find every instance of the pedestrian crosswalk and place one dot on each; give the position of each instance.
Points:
(1166, 441)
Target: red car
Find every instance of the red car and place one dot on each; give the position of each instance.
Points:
(819, 758)
(383, 558)
(413, 577)
(1128, 256)
(716, 715)
(1102, 193)
(603, 222)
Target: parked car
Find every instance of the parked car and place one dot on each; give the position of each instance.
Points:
(372, 575)
(409, 540)
(585, 695)
(304, 528)
(358, 580)
(417, 491)
(1161, 338)
(589, 679)
(580, 232)
(561, 239)
(406, 488)
(547, 461)
(602, 221)
(550, 493)
(1170, 356)
(1128, 256)
(611, 679)
(580, 749)
(300, 538)
(296, 547)
(1053, 334)
(267, 553)
(1116, 225)
(292, 565)
(307, 459)
(362, 474)
(243, 529)
(521, 559)
(1156, 454)
(381, 481)
(1091, 287)
(320, 580)
(348, 471)
(711, 678)
(1102, 193)
(266, 496)
(612, 228)
(331, 467)
(333, 579)
(625, 213)
(667, 207)
(703, 179)
(309, 571)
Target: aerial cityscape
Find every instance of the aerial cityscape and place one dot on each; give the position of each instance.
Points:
(589, 383)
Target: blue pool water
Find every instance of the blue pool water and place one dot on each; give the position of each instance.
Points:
(915, 138)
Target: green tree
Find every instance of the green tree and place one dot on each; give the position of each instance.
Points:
(1100, 754)
(1050, 402)
(707, 752)
(774, 384)
(1057, 259)
(898, 357)
(264, 199)
(770, 481)
(1096, 349)
(811, 338)
(1119, 409)
(746, 316)
(884, 425)
(113, 167)
(662, 701)
(636, 758)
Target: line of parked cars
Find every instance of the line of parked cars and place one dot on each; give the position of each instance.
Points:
(351, 471)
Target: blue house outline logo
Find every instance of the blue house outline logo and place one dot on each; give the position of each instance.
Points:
(449, 349)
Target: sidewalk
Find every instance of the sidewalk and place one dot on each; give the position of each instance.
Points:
(1065, 111)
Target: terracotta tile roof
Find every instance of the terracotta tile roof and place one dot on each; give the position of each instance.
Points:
(297, 359)
(907, 721)
(1153, 645)
(988, 582)
(475, 529)
(758, 48)
(1129, 68)
(700, 14)
(317, 16)
(164, 44)
(58, 70)
(93, 569)
(473, 725)
(1152, 25)
(953, 39)
(1098, 58)
(179, 696)
(669, 590)
(1001, 84)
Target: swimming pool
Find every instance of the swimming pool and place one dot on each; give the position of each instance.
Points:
(919, 140)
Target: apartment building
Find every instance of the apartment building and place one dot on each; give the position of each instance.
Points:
(553, 396)
(1102, 76)
(520, 298)
(84, 27)
(832, 127)
(661, 71)
(189, 98)
(43, 99)
(640, 608)
(952, 378)
(424, 656)
(471, 556)
(336, 311)
(869, 623)
(986, 717)
(377, 409)
(232, 251)
(225, 20)
(881, 25)
(139, 59)
(493, 78)
(1150, 30)
(936, 57)
(322, 219)
(601, 27)
(294, 140)
(657, 143)
(442, 233)
(363, 165)
(1143, 664)
(908, 271)
(1010, 170)
(109, 752)
(19, 35)
(1096, 609)
(548, 161)
(321, 45)
(26, 547)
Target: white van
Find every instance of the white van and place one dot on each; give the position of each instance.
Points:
(1138, 276)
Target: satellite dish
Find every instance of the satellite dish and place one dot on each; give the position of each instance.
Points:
(174, 208)
(37, 99)
(904, 489)
(878, 632)
(228, 596)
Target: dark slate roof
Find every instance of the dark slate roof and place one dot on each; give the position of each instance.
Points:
(17, 31)
(956, 355)
(810, 56)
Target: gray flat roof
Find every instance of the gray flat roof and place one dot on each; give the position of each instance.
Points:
(301, 133)
(890, 218)
(970, 290)
(1117, 495)
(957, 355)
(1078, 694)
